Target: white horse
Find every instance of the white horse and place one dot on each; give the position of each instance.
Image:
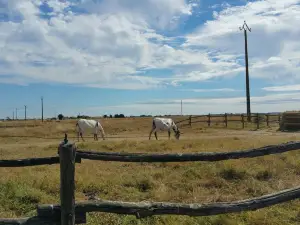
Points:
(92, 125)
(164, 124)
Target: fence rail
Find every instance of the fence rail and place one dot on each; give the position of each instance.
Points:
(180, 157)
(69, 212)
(256, 118)
(145, 209)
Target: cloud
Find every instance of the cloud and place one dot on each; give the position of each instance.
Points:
(213, 90)
(295, 87)
(196, 106)
(109, 44)
(273, 49)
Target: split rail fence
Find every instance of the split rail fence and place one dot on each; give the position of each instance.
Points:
(70, 212)
(256, 118)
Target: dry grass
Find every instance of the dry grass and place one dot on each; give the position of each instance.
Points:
(22, 188)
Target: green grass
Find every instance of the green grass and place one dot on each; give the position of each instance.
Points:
(21, 189)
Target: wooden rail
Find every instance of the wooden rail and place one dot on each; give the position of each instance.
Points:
(257, 118)
(145, 209)
(69, 212)
(179, 157)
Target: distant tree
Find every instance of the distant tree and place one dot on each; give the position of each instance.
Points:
(105, 116)
(83, 117)
(60, 116)
(110, 116)
(119, 116)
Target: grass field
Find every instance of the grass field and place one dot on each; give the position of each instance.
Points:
(22, 188)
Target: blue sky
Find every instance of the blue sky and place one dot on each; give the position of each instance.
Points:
(134, 57)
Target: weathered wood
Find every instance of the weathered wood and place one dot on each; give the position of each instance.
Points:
(208, 120)
(28, 221)
(67, 155)
(243, 120)
(32, 162)
(145, 209)
(55, 214)
(179, 157)
(180, 121)
(29, 162)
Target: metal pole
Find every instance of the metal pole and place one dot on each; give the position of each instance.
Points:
(245, 28)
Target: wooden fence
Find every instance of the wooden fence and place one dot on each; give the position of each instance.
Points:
(69, 212)
(256, 118)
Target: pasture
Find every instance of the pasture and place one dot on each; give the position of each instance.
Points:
(22, 188)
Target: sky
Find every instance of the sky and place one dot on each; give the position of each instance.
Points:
(97, 57)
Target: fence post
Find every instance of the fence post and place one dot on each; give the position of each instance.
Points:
(67, 155)
(190, 121)
(257, 120)
(267, 119)
(225, 119)
(208, 121)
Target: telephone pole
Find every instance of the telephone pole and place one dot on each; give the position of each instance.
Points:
(42, 101)
(25, 111)
(13, 115)
(181, 107)
(245, 28)
(16, 113)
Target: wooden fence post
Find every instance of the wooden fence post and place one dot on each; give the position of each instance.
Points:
(190, 121)
(243, 120)
(67, 155)
(267, 119)
(257, 120)
(225, 119)
(208, 121)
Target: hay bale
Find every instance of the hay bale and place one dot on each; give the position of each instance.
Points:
(290, 121)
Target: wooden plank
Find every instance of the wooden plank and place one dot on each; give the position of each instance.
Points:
(31, 162)
(145, 209)
(28, 221)
(189, 157)
(243, 120)
(67, 155)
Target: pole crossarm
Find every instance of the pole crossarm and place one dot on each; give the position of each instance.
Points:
(245, 27)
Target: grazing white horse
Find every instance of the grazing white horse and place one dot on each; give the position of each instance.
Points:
(92, 125)
(164, 124)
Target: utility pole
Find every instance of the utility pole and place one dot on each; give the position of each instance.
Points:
(42, 101)
(16, 113)
(181, 107)
(245, 28)
(13, 115)
(25, 111)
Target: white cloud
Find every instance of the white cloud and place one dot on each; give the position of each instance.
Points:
(273, 36)
(214, 90)
(111, 41)
(295, 87)
(267, 103)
